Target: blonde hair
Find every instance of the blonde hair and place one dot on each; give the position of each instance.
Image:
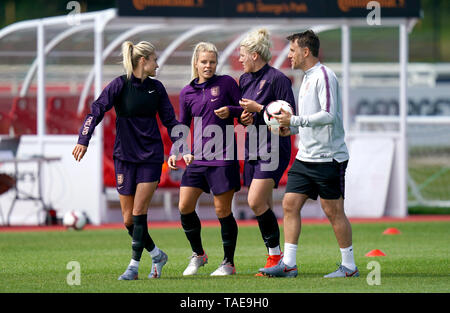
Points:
(132, 53)
(201, 47)
(258, 41)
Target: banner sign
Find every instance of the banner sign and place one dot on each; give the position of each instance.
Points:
(268, 8)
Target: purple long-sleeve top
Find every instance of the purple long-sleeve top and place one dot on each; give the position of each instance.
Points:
(264, 86)
(136, 102)
(199, 101)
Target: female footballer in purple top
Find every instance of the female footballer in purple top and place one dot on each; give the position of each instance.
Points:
(213, 102)
(138, 148)
(260, 85)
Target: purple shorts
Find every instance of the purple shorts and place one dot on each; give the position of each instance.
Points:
(218, 179)
(129, 174)
(252, 170)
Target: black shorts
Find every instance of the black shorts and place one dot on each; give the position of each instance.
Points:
(326, 179)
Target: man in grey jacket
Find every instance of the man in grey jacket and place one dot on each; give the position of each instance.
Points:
(321, 161)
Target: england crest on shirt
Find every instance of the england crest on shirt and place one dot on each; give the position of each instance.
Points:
(215, 91)
(119, 179)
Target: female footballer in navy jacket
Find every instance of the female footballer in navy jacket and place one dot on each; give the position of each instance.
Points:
(138, 147)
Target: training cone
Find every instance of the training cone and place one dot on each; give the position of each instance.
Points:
(391, 231)
(375, 252)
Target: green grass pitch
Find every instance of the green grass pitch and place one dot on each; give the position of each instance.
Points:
(417, 260)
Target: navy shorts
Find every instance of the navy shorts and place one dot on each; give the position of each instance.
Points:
(218, 179)
(253, 170)
(129, 174)
(326, 179)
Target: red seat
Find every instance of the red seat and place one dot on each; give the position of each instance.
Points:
(5, 110)
(109, 179)
(109, 137)
(168, 179)
(61, 115)
(23, 115)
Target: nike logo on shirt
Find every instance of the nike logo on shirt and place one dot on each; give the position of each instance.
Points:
(212, 100)
(150, 91)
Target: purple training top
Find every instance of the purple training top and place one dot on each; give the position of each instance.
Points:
(264, 86)
(200, 101)
(136, 103)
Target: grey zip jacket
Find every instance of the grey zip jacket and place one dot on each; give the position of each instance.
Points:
(319, 123)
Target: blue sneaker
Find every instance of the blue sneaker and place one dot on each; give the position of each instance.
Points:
(157, 264)
(131, 273)
(343, 271)
(280, 270)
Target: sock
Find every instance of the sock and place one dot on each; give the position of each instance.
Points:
(290, 254)
(347, 258)
(139, 231)
(192, 228)
(229, 232)
(148, 243)
(134, 263)
(268, 225)
(275, 251)
(154, 252)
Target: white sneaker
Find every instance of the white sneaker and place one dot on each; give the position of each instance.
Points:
(225, 269)
(195, 263)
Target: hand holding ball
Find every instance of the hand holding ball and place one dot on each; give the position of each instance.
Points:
(273, 110)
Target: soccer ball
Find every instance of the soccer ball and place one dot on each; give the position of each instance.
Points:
(74, 220)
(272, 109)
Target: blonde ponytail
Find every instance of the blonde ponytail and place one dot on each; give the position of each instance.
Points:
(258, 41)
(127, 53)
(201, 47)
(132, 53)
